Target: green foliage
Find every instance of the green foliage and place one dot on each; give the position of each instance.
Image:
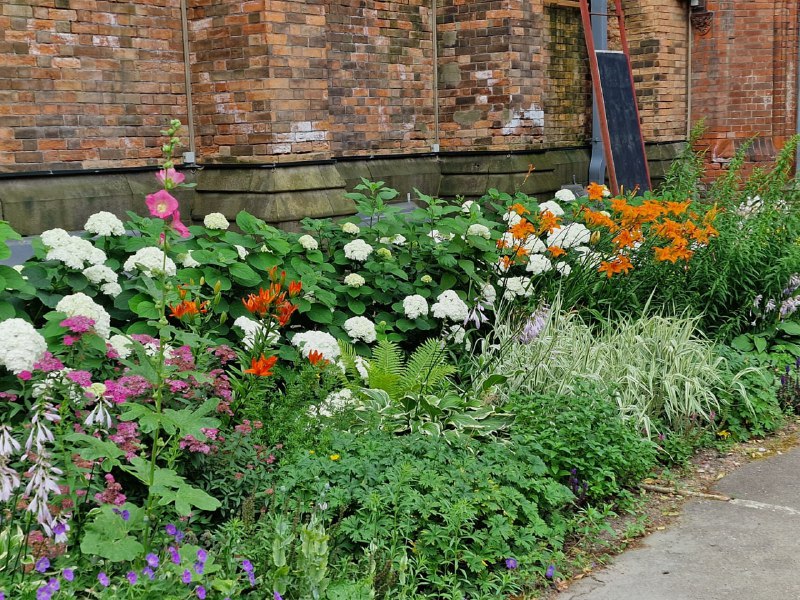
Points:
(584, 441)
(441, 518)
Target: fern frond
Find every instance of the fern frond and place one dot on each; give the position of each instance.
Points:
(426, 368)
(386, 367)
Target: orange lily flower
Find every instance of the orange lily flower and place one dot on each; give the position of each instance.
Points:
(556, 251)
(294, 288)
(519, 209)
(677, 208)
(627, 238)
(522, 230)
(187, 307)
(548, 222)
(285, 311)
(621, 264)
(315, 357)
(596, 191)
(262, 366)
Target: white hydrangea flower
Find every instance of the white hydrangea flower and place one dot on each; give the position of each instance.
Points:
(551, 206)
(449, 306)
(150, 260)
(467, 207)
(122, 344)
(488, 293)
(333, 404)
(426, 279)
(606, 192)
(354, 280)
(188, 261)
(415, 306)
(357, 250)
(322, 342)
(538, 264)
(362, 366)
(517, 286)
(54, 238)
(351, 228)
(112, 289)
(361, 328)
(574, 234)
(82, 305)
(215, 221)
(22, 346)
(252, 330)
(308, 242)
(534, 245)
(396, 240)
(565, 196)
(456, 334)
(440, 237)
(100, 274)
(104, 223)
(511, 217)
(73, 251)
(479, 230)
(242, 251)
(563, 268)
(588, 256)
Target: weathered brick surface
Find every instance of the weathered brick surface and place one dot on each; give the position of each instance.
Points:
(87, 83)
(744, 78)
(491, 73)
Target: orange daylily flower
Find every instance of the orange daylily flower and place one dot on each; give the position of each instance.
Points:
(187, 307)
(261, 302)
(597, 219)
(285, 311)
(548, 222)
(501, 243)
(669, 229)
(522, 230)
(673, 253)
(627, 238)
(315, 357)
(677, 208)
(621, 264)
(521, 252)
(262, 366)
(556, 251)
(294, 288)
(596, 191)
(519, 209)
(505, 263)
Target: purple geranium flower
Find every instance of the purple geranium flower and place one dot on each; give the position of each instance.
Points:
(42, 564)
(132, 577)
(174, 555)
(202, 555)
(103, 579)
(171, 529)
(68, 574)
(511, 563)
(187, 576)
(551, 570)
(152, 560)
(149, 573)
(201, 592)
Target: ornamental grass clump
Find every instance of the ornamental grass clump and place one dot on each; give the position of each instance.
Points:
(659, 369)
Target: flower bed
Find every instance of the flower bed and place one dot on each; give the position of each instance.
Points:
(397, 405)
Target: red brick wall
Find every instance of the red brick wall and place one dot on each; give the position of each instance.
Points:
(491, 74)
(87, 83)
(744, 78)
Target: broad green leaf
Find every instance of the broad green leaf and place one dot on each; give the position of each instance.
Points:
(244, 275)
(320, 314)
(107, 536)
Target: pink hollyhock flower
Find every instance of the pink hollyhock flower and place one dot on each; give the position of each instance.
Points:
(179, 227)
(170, 178)
(161, 204)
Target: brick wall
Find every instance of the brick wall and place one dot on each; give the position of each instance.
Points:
(744, 78)
(490, 74)
(87, 83)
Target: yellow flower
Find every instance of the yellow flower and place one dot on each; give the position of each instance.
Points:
(724, 434)
(335, 457)
(311, 452)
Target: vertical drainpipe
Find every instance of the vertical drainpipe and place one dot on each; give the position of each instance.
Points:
(689, 42)
(797, 99)
(187, 73)
(435, 38)
(597, 162)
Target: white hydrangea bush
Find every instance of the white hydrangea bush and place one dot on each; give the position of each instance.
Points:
(22, 346)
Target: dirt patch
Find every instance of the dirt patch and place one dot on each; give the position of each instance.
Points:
(654, 511)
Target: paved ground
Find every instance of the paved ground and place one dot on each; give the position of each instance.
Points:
(746, 549)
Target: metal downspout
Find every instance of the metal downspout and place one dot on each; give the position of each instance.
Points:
(435, 38)
(187, 74)
(689, 44)
(597, 163)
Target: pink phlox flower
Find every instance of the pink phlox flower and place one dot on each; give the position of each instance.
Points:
(224, 353)
(112, 494)
(170, 178)
(78, 324)
(161, 204)
(244, 428)
(25, 375)
(182, 358)
(127, 438)
(210, 433)
(82, 378)
(194, 445)
(69, 340)
(176, 385)
(48, 364)
(221, 384)
(9, 396)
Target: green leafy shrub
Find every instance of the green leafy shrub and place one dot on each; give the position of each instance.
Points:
(446, 516)
(584, 441)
